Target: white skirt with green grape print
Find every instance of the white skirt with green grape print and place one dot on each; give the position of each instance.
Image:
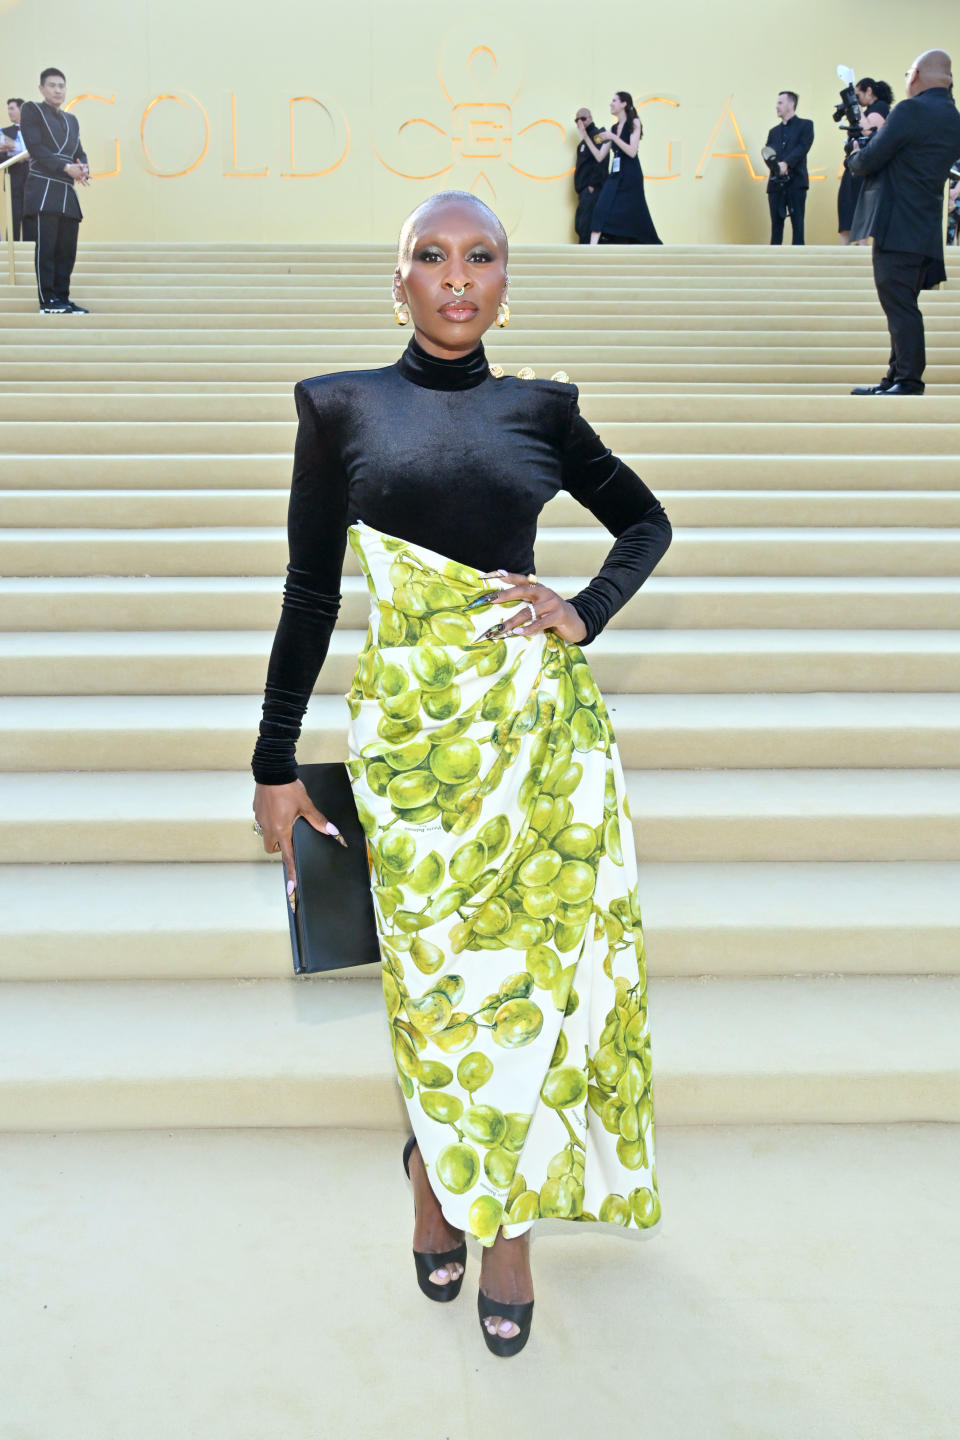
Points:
(488, 782)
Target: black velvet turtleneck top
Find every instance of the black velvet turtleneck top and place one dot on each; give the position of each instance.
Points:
(442, 454)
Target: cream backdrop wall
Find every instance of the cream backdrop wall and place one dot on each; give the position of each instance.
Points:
(276, 119)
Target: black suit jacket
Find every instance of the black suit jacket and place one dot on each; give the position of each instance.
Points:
(909, 160)
(53, 138)
(792, 140)
(589, 171)
(17, 174)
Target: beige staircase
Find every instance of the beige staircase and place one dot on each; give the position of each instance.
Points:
(220, 1251)
(786, 689)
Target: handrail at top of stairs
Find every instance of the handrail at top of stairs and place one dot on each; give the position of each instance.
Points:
(8, 212)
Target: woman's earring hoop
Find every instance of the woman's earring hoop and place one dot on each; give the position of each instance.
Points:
(503, 314)
(401, 312)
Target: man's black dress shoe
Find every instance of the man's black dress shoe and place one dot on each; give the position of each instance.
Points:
(880, 389)
(899, 389)
(75, 309)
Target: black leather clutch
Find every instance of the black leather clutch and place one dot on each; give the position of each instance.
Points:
(333, 926)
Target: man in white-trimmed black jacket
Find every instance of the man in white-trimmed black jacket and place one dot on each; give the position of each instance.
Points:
(57, 165)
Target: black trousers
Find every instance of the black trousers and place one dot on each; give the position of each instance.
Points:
(796, 204)
(586, 204)
(54, 255)
(899, 277)
(22, 225)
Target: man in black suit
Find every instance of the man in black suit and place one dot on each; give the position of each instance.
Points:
(11, 144)
(907, 163)
(57, 166)
(787, 191)
(588, 177)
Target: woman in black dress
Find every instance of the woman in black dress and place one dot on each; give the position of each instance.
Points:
(875, 98)
(484, 767)
(621, 216)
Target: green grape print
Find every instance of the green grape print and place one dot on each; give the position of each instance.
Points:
(458, 1167)
(488, 785)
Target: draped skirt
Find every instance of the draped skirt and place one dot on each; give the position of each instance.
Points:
(488, 783)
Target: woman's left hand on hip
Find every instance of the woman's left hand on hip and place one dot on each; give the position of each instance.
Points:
(544, 610)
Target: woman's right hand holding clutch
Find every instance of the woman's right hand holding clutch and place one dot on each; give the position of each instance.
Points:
(275, 808)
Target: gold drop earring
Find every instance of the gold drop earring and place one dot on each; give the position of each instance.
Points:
(503, 314)
(401, 312)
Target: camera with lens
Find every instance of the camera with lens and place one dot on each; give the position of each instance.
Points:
(849, 110)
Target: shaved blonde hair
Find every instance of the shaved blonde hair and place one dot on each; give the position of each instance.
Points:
(442, 198)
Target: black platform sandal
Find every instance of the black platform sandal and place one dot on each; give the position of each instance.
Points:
(426, 1264)
(521, 1315)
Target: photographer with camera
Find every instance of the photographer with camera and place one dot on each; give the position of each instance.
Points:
(953, 207)
(874, 99)
(786, 155)
(905, 167)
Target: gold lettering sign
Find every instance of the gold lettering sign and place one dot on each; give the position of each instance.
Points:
(741, 152)
(293, 173)
(480, 130)
(674, 148)
(99, 174)
(177, 99)
(235, 173)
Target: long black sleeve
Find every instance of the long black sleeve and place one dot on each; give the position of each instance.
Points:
(443, 455)
(317, 533)
(893, 134)
(620, 500)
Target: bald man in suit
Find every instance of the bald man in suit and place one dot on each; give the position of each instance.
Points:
(906, 166)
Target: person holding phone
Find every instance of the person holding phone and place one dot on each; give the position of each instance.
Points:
(621, 216)
(588, 176)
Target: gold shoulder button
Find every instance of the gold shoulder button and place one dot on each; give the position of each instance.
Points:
(562, 376)
(526, 373)
(497, 371)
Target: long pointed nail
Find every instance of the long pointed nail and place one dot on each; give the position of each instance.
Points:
(330, 828)
(487, 599)
(291, 886)
(493, 632)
